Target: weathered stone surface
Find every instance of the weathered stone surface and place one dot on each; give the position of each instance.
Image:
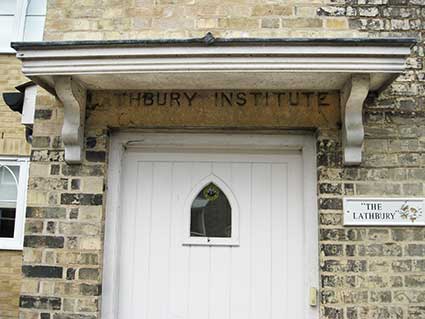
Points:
(330, 188)
(88, 274)
(45, 183)
(331, 11)
(73, 316)
(46, 155)
(90, 290)
(75, 184)
(338, 234)
(95, 156)
(43, 303)
(378, 234)
(70, 273)
(83, 170)
(330, 203)
(333, 313)
(81, 199)
(46, 212)
(43, 114)
(42, 271)
(402, 265)
(412, 234)
(54, 169)
(43, 241)
(344, 266)
(91, 142)
(388, 249)
(41, 141)
(78, 229)
(270, 22)
(416, 250)
(417, 281)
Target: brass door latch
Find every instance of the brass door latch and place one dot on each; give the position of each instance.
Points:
(313, 297)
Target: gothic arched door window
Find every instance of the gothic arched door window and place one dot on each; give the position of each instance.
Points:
(214, 215)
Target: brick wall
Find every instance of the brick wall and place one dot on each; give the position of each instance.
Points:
(377, 272)
(12, 143)
(365, 272)
(139, 19)
(12, 133)
(10, 283)
(63, 243)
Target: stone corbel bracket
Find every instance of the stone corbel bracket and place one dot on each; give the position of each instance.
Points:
(73, 97)
(353, 96)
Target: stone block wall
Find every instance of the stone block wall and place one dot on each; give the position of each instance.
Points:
(12, 143)
(140, 19)
(64, 235)
(365, 272)
(377, 272)
(10, 283)
(12, 133)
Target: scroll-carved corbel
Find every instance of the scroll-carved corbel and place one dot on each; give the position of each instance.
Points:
(73, 98)
(353, 96)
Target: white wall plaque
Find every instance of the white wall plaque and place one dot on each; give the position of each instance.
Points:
(384, 211)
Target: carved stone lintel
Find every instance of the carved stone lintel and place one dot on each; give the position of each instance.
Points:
(353, 96)
(73, 97)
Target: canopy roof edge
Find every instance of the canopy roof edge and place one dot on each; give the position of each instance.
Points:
(219, 63)
(209, 39)
(355, 67)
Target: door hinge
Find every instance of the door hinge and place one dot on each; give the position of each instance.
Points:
(313, 297)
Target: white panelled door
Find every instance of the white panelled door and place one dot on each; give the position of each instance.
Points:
(260, 274)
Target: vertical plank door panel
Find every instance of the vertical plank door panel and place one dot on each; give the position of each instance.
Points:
(159, 239)
(297, 300)
(261, 241)
(199, 269)
(220, 260)
(240, 279)
(128, 205)
(177, 304)
(279, 241)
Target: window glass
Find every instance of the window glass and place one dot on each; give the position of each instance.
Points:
(211, 214)
(7, 222)
(7, 22)
(9, 177)
(34, 28)
(34, 20)
(37, 7)
(7, 31)
(13, 185)
(21, 20)
(7, 7)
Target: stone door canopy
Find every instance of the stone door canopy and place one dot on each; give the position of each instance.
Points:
(355, 67)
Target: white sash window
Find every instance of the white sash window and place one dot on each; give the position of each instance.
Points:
(21, 20)
(13, 184)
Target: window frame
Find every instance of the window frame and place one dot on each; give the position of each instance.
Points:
(187, 210)
(17, 242)
(18, 25)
